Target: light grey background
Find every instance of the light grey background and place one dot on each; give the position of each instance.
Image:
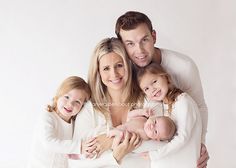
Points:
(44, 41)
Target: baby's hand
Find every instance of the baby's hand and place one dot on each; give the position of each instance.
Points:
(147, 112)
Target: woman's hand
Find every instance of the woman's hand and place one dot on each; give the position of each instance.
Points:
(88, 148)
(103, 143)
(129, 143)
(202, 161)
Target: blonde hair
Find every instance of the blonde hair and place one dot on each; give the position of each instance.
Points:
(72, 82)
(156, 69)
(100, 97)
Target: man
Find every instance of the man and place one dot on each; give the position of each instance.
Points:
(135, 30)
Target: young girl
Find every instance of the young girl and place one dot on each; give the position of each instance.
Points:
(184, 149)
(53, 140)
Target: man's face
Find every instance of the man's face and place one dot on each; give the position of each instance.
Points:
(139, 44)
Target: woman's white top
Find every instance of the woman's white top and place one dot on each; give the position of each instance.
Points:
(89, 124)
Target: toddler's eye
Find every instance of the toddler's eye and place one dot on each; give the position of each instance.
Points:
(78, 102)
(145, 89)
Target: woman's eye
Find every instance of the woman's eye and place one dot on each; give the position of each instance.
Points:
(119, 65)
(106, 68)
(155, 81)
(67, 97)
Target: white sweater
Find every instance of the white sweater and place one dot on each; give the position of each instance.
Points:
(185, 75)
(90, 123)
(184, 149)
(52, 141)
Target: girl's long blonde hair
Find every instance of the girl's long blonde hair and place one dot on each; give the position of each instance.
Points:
(156, 69)
(100, 97)
(70, 83)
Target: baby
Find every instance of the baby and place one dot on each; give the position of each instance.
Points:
(146, 125)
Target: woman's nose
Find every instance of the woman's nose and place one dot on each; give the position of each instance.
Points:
(114, 72)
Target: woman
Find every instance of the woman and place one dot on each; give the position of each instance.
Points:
(113, 94)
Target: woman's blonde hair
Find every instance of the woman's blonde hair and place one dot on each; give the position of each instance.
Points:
(70, 83)
(100, 97)
(156, 69)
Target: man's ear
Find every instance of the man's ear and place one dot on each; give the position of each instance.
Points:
(154, 36)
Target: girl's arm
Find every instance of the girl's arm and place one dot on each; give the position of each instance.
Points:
(50, 131)
(186, 119)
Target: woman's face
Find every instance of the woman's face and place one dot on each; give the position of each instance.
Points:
(112, 71)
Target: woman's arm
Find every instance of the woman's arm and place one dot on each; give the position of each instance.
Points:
(130, 142)
(85, 123)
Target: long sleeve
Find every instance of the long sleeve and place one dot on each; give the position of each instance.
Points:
(56, 135)
(185, 76)
(185, 117)
(52, 141)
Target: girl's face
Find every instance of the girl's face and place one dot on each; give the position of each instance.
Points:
(69, 104)
(112, 71)
(154, 86)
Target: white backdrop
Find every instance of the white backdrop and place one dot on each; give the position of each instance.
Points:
(44, 41)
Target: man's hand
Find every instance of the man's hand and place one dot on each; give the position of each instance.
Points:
(202, 161)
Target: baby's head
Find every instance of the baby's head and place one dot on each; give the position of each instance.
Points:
(160, 128)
